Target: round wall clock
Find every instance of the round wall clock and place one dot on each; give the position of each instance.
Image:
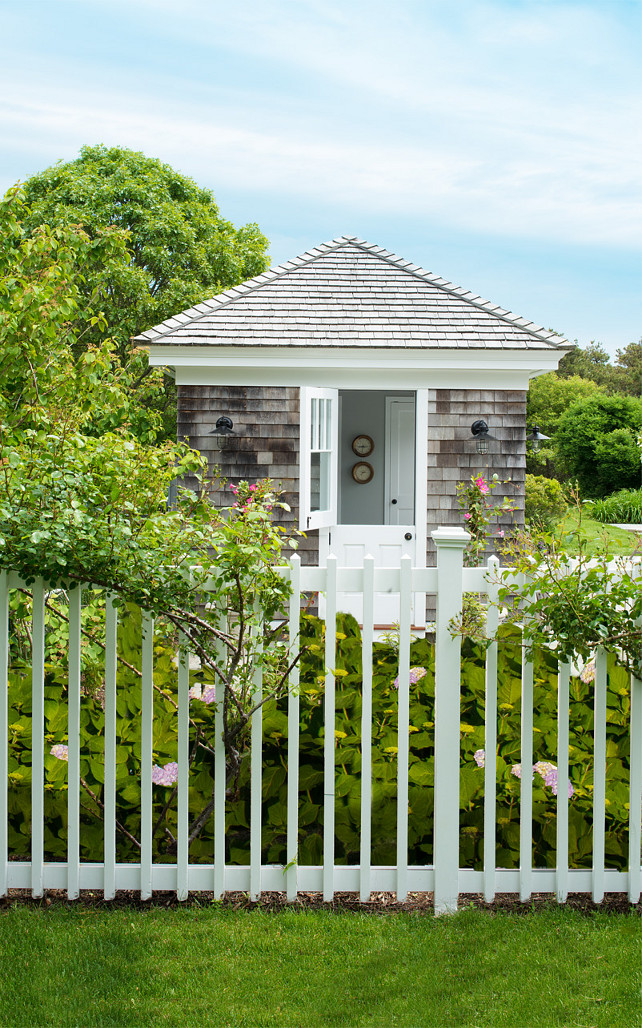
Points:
(362, 445)
(362, 472)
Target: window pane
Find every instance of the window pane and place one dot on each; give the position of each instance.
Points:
(319, 481)
(328, 425)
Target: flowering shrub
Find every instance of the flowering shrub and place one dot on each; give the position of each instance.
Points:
(479, 511)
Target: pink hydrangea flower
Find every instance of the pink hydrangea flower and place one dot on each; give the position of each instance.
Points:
(588, 672)
(167, 775)
(416, 674)
(548, 772)
(479, 757)
(60, 751)
(205, 694)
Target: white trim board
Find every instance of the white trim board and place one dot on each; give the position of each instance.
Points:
(335, 377)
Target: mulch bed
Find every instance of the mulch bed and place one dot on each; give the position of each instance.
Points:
(344, 902)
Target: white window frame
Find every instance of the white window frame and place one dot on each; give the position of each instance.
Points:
(311, 519)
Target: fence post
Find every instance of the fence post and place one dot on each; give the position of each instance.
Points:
(450, 543)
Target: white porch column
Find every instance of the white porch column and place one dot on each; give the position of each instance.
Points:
(450, 543)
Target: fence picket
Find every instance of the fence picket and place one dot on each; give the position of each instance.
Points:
(635, 791)
(526, 791)
(220, 764)
(294, 645)
(111, 630)
(146, 752)
(490, 740)
(450, 544)
(329, 741)
(73, 750)
(182, 827)
(599, 775)
(367, 641)
(561, 854)
(220, 772)
(403, 722)
(37, 734)
(256, 772)
(4, 731)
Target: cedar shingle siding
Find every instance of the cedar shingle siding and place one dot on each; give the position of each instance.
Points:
(265, 443)
(452, 456)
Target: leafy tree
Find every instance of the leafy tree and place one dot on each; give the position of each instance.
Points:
(550, 395)
(628, 369)
(547, 399)
(592, 447)
(83, 498)
(592, 362)
(625, 376)
(182, 250)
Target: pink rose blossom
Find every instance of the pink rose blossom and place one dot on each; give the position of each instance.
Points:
(481, 485)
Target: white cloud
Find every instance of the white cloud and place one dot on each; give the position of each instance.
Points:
(585, 193)
(488, 116)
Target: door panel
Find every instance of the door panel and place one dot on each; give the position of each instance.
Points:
(387, 544)
(399, 500)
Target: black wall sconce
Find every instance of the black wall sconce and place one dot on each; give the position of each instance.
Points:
(480, 430)
(536, 437)
(224, 426)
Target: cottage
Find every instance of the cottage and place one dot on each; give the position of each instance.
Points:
(354, 378)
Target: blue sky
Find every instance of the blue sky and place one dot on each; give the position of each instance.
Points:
(494, 143)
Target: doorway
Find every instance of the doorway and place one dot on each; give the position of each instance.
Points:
(376, 496)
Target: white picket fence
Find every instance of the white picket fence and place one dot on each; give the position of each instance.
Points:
(444, 878)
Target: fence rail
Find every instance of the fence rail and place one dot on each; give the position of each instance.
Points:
(448, 581)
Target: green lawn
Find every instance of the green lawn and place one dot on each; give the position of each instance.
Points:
(215, 966)
(619, 540)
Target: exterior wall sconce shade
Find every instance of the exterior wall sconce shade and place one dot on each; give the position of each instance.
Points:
(480, 431)
(536, 437)
(224, 426)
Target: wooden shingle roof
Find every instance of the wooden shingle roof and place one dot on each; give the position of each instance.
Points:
(350, 293)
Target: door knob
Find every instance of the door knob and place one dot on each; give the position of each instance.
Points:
(408, 536)
(394, 501)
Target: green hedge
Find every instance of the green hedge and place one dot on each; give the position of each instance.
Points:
(347, 758)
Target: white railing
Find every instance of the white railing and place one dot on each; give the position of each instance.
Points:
(448, 581)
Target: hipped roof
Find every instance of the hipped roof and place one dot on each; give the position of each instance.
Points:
(350, 293)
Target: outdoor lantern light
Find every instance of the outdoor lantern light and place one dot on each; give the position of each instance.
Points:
(480, 430)
(536, 437)
(224, 426)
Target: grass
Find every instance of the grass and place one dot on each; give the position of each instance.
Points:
(215, 966)
(618, 540)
